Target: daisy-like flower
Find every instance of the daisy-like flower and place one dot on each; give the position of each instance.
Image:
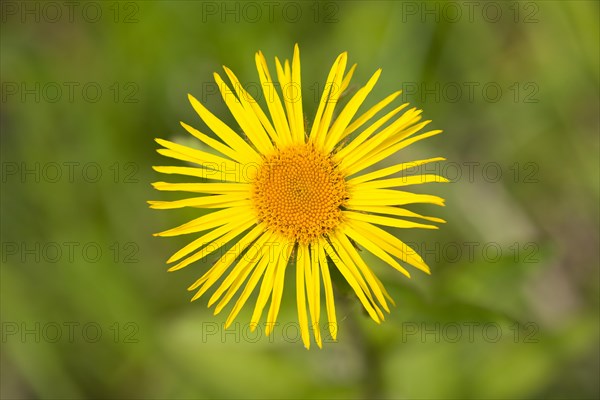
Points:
(288, 197)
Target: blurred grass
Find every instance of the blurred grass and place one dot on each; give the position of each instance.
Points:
(544, 286)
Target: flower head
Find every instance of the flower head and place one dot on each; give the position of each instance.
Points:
(287, 197)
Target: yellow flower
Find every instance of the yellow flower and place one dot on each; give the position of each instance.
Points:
(289, 197)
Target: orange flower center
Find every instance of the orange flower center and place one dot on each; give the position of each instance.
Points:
(298, 192)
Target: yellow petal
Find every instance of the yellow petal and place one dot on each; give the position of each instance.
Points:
(381, 155)
(256, 275)
(376, 143)
(285, 83)
(232, 139)
(348, 112)
(315, 285)
(227, 259)
(210, 242)
(215, 144)
(370, 245)
(387, 221)
(238, 275)
(206, 160)
(245, 118)
(356, 286)
(363, 268)
(223, 176)
(301, 294)
(329, 86)
(298, 127)
(278, 289)
(329, 299)
(342, 153)
(360, 121)
(208, 188)
(332, 99)
(263, 127)
(212, 201)
(208, 221)
(400, 212)
(347, 79)
(389, 197)
(380, 173)
(273, 102)
(391, 244)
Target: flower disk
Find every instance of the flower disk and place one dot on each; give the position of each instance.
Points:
(298, 192)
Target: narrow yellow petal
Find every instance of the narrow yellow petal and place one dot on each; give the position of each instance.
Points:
(285, 83)
(375, 143)
(360, 121)
(232, 139)
(381, 155)
(352, 282)
(273, 102)
(380, 173)
(217, 270)
(343, 152)
(210, 174)
(334, 95)
(301, 294)
(212, 201)
(348, 112)
(329, 300)
(239, 273)
(278, 288)
(315, 282)
(205, 222)
(391, 244)
(400, 212)
(295, 92)
(210, 242)
(329, 86)
(377, 251)
(347, 79)
(208, 188)
(403, 181)
(206, 160)
(215, 144)
(387, 221)
(263, 127)
(245, 118)
(368, 274)
(389, 197)
(266, 287)
(256, 275)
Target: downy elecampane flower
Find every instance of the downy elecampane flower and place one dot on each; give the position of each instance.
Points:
(285, 197)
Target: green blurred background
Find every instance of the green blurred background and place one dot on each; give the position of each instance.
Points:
(511, 308)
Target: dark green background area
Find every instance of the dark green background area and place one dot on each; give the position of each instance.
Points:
(511, 308)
